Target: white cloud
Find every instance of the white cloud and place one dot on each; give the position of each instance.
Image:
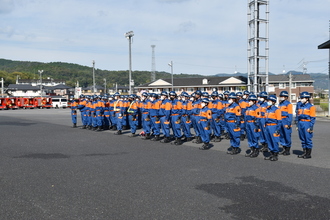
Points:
(197, 35)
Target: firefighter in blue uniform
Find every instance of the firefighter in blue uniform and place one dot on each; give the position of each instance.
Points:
(251, 117)
(196, 107)
(305, 120)
(273, 120)
(165, 116)
(186, 116)
(176, 114)
(233, 123)
(145, 106)
(82, 107)
(133, 111)
(262, 103)
(74, 107)
(205, 117)
(154, 116)
(217, 112)
(286, 127)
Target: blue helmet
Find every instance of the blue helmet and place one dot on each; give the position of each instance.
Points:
(184, 94)
(232, 95)
(116, 94)
(99, 96)
(145, 94)
(198, 92)
(82, 96)
(104, 97)
(239, 94)
(205, 94)
(263, 95)
(193, 94)
(172, 93)
(252, 98)
(132, 96)
(226, 92)
(284, 94)
(272, 98)
(153, 95)
(164, 93)
(206, 100)
(246, 92)
(220, 95)
(305, 95)
(215, 93)
(88, 96)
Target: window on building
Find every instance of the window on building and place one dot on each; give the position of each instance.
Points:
(282, 85)
(190, 89)
(293, 85)
(293, 96)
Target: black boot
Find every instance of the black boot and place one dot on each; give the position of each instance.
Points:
(235, 151)
(189, 139)
(252, 149)
(205, 146)
(304, 153)
(270, 156)
(74, 125)
(147, 137)
(118, 132)
(114, 128)
(242, 137)
(166, 140)
(177, 141)
(94, 129)
(90, 127)
(264, 147)
(308, 153)
(133, 135)
(275, 157)
(83, 127)
(255, 153)
(227, 136)
(230, 150)
(99, 128)
(156, 138)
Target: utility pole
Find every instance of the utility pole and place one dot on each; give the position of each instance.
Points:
(2, 87)
(40, 72)
(105, 86)
(153, 64)
(171, 65)
(93, 77)
(129, 36)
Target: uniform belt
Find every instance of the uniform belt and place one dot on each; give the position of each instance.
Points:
(145, 113)
(270, 124)
(231, 121)
(304, 120)
(195, 114)
(174, 114)
(203, 120)
(250, 121)
(284, 116)
(185, 115)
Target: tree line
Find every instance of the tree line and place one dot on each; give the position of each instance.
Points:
(73, 73)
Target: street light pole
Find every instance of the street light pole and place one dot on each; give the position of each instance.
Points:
(40, 72)
(105, 86)
(93, 77)
(129, 36)
(2, 87)
(171, 65)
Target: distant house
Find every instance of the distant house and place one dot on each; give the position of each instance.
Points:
(121, 89)
(189, 85)
(33, 87)
(89, 90)
(299, 83)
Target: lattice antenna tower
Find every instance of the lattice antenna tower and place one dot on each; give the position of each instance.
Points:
(153, 64)
(258, 45)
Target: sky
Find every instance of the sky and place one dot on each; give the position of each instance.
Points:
(204, 37)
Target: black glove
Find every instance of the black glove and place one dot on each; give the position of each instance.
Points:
(217, 119)
(147, 118)
(238, 126)
(288, 127)
(277, 132)
(178, 121)
(157, 118)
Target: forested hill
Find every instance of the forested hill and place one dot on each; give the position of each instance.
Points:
(71, 73)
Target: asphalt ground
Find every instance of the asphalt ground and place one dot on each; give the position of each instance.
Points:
(49, 170)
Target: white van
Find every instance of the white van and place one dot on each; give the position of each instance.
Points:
(59, 102)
